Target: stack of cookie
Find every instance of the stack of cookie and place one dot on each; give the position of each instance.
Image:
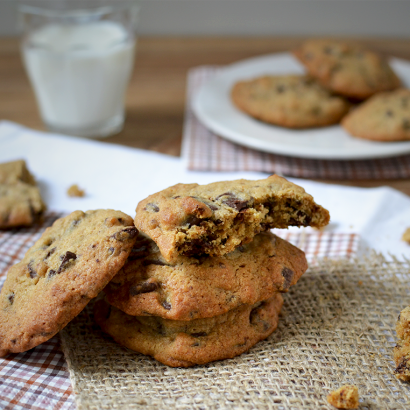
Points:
(205, 277)
(20, 199)
(339, 75)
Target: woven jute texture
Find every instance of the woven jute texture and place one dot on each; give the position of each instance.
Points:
(337, 327)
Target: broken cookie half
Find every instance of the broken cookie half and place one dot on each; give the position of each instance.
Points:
(214, 219)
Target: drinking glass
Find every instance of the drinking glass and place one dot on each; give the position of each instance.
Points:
(79, 57)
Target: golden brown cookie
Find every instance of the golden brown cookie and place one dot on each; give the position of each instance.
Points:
(402, 349)
(194, 288)
(213, 219)
(293, 101)
(187, 343)
(384, 117)
(69, 265)
(346, 68)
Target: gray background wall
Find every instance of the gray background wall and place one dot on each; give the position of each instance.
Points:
(260, 17)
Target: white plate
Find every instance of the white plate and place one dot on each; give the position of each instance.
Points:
(212, 105)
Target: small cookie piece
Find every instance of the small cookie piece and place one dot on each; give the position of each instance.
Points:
(213, 219)
(187, 343)
(74, 190)
(195, 288)
(346, 68)
(14, 172)
(20, 205)
(69, 265)
(402, 349)
(384, 117)
(293, 101)
(346, 397)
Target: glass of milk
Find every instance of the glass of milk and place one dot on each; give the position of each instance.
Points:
(79, 58)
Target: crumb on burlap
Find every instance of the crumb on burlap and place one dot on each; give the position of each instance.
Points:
(406, 235)
(74, 190)
(346, 397)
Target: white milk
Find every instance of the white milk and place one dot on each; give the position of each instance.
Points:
(80, 74)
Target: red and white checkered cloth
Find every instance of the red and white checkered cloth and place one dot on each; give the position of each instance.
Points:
(39, 379)
(205, 151)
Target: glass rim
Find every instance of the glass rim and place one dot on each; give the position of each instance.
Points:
(80, 11)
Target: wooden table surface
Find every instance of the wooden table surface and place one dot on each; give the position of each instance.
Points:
(156, 95)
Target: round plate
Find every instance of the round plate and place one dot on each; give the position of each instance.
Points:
(212, 105)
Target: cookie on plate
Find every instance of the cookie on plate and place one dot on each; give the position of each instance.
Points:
(402, 349)
(213, 219)
(20, 205)
(186, 343)
(194, 288)
(293, 101)
(347, 68)
(384, 117)
(69, 265)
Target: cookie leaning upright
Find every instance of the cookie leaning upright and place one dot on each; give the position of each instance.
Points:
(293, 101)
(69, 265)
(347, 68)
(213, 219)
(384, 117)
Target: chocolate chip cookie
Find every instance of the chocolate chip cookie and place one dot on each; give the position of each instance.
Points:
(292, 101)
(69, 265)
(14, 172)
(213, 219)
(20, 205)
(402, 349)
(186, 343)
(384, 117)
(194, 288)
(347, 68)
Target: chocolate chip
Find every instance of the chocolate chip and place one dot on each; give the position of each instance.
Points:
(75, 222)
(145, 287)
(151, 208)
(288, 276)
(218, 221)
(126, 234)
(192, 220)
(111, 251)
(120, 220)
(31, 270)
(233, 201)
(97, 260)
(65, 259)
(199, 334)
(254, 315)
(10, 298)
(213, 207)
(403, 367)
(14, 341)
(51, 273)
(175, 197)
(166, 305)
(49, 253)
(242, 266)
(221, 265)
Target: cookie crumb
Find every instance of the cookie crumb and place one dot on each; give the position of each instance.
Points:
(406, 236)
(74, 190)
(346, 397)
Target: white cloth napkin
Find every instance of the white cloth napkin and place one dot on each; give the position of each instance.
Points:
(118, 177)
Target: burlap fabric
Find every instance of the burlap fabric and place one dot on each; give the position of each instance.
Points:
(337, 327)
